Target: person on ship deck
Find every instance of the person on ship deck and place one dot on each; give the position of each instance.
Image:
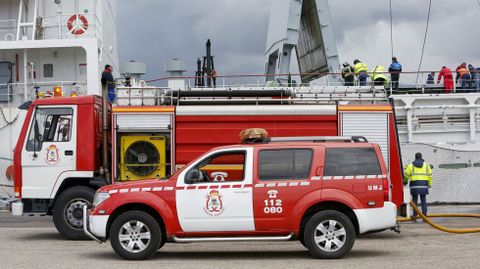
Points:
(463, 76)
(395, 69)
(447, 76)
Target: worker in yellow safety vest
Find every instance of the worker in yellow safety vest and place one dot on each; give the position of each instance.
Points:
(378, 76)
(419, 173)
(361, 71)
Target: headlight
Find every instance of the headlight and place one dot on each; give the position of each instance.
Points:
(100, 197)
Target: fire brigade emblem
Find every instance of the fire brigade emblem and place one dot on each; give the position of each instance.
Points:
(52, 155)
(214, 204)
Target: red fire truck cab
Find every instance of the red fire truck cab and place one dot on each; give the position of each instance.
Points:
(58, 157)
(322, 191)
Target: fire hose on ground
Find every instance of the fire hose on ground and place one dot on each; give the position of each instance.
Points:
(439, 227)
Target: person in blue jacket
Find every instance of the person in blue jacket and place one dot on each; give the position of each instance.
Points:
(109, 82)
(477, 79)
(395, 69)
(431, 78)
(473, 76)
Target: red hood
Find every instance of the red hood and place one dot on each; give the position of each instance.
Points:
(136, 184)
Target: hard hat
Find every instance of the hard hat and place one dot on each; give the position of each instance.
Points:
(346, 64)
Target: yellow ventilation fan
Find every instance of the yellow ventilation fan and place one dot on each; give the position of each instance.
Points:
(142, 157)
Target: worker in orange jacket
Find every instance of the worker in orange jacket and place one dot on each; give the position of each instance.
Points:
(447, 76)
(463, 74)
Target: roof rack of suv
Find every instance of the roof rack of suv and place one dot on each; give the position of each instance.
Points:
(321, 139)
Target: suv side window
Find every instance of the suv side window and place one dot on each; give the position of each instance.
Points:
(351, 162)
(284, 164)
(221, 167)
(50, 125)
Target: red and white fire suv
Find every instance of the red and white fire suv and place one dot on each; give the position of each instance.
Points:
(322, 191)
(58, 157)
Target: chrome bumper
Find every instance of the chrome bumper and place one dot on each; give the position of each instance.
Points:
(86, 226)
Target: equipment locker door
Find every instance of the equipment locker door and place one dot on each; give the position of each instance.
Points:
(214, 194)
(49, 149)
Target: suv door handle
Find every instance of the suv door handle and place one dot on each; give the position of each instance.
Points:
(68, 152)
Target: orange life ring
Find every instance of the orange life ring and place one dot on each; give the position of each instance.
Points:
(10, 172)
(77, 24)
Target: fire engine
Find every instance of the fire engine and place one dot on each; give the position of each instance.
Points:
(319, 190)
(60, 157)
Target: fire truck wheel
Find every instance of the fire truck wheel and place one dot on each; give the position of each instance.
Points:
(135, 235)
(68, 211)
(329, 235)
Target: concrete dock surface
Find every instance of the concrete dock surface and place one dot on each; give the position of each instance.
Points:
(33, 242)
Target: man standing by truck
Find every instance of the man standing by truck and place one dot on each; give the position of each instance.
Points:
(109, 82)
(419, 173)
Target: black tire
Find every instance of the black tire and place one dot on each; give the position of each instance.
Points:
(302, 241)
(68, 212)
(328, 247)
(134, 218)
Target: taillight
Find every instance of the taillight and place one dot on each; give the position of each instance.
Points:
(16, 191)
(386, 190)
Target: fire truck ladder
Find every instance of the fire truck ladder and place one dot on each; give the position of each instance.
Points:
(22, 22)
(277, 95)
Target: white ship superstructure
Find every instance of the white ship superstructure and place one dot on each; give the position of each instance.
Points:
(47, 45)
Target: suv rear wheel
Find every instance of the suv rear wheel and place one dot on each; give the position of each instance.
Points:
(329, 235)
(135, 235)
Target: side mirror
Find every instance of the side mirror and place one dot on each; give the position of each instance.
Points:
(193, 176)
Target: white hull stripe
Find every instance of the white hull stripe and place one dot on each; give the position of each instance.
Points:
(242, 186)
(350, 177)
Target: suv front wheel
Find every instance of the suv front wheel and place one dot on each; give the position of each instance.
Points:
(329, 235)
(135, 235)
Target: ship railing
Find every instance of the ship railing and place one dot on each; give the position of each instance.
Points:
(17, 93)
(410, 82)
(7, 29)
(55, 27)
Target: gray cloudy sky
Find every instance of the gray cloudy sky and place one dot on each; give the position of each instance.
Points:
(156, 31)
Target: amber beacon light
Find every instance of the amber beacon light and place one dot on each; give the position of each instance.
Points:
(57, 91)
